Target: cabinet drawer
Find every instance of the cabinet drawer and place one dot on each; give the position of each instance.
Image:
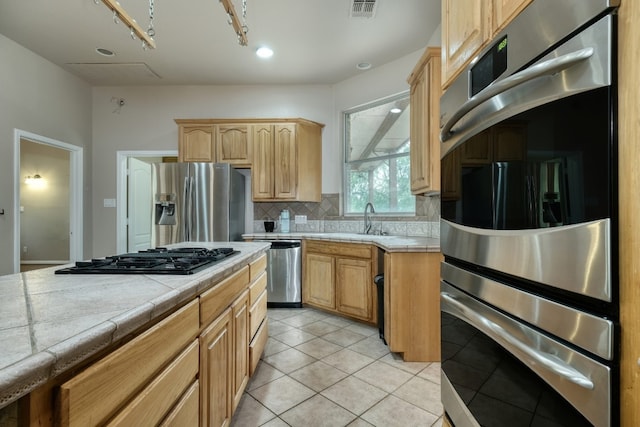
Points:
(215, 300)
(257, 346)
(257, 267)
(186, 413)
(256, 288)
(258, 313)
(95, 394)
(353, 250)
(153, 403)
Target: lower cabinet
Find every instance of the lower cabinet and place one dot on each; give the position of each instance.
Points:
(240, 314)
(143, 380)
(216, 367)
(339, 277)
(412, 304)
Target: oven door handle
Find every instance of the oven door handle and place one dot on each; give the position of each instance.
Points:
(542, 69)
(497, 332)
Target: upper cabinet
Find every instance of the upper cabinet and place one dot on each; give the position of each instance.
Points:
(287, 161)
(424, 123)
(233, 144)
(467, 26)
(285, 155)
(196, 142)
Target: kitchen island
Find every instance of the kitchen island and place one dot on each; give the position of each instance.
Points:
(53, 326)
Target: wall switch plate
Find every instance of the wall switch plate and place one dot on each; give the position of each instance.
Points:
(109, 203)
(300, 219)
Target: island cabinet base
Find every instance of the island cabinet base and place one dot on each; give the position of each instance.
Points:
(412, 304)
(188, 369)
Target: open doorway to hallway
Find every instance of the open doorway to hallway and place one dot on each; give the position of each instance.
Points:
(134, 197)
(47, 203)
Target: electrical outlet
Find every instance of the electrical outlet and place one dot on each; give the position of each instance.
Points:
(24, 249)
(300, 219)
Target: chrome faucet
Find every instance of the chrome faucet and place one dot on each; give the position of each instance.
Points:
(367, 217)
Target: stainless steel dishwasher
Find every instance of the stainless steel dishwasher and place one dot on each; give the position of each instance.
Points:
(284, 273)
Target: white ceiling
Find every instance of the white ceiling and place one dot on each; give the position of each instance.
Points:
(315, 41)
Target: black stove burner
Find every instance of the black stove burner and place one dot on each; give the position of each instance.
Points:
(153, 261)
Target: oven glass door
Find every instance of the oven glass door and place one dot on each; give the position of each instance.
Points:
(547, 167)
(498, 371)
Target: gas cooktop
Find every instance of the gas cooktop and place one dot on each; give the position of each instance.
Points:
(153, 261)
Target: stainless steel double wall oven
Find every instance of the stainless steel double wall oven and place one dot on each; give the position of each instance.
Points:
(529, 293)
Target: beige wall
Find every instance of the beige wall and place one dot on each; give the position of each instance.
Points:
(38, 97)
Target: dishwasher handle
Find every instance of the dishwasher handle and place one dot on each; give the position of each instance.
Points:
(282, 244)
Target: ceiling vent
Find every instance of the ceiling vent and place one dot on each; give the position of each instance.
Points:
(363, 8)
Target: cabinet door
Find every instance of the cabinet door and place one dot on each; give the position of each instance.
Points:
(240, 313)
(417, 132)
(465, 27)
(234, 144)
(319, 281)
(262, 166)
(285, 162)
(354, 287)
(424, 125)
(504, 11)
(195, 143)
(216, 368)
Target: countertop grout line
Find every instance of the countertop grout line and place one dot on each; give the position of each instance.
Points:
(29, 309)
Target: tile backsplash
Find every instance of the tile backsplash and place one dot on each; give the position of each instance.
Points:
(324, 217)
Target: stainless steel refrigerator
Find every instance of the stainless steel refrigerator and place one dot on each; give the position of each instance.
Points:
(197, 202)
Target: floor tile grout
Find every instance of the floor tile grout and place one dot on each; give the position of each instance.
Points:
(326, 395)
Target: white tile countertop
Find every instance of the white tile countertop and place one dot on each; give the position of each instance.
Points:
(50, 323)
(387, 243)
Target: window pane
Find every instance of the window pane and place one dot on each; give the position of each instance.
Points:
(383, 182)
(377, 157)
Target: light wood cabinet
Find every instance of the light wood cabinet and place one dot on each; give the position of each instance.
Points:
(226, 313)
(412, 304)
(339, 277)
(285, 155)
(110, 388)
(216, 368)
(240, 317)
(425, 94)
(319, 281)
(287, 162)
(468, 26)
(233, 144)
(353, 287)
(196, 143)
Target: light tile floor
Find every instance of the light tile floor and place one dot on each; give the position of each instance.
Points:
(325, 370)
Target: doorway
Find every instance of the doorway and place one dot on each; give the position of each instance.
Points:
(48, 202)
(134, 198)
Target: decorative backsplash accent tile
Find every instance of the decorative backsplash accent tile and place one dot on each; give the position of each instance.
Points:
(324, 217)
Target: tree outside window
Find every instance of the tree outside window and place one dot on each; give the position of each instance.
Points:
(377, 157)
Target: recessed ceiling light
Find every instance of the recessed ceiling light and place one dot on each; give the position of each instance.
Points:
(395, 110)
(363, 66)
(264, 52)
(104, 52)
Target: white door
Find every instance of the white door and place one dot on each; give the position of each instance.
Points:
(139, 206)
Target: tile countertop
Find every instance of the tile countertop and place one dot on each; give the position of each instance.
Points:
(50, 323)
(387, 243)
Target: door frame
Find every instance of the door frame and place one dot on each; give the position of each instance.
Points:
(75, 193)
(121, 190)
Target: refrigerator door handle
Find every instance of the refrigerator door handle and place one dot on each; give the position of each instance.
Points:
(186, 208)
